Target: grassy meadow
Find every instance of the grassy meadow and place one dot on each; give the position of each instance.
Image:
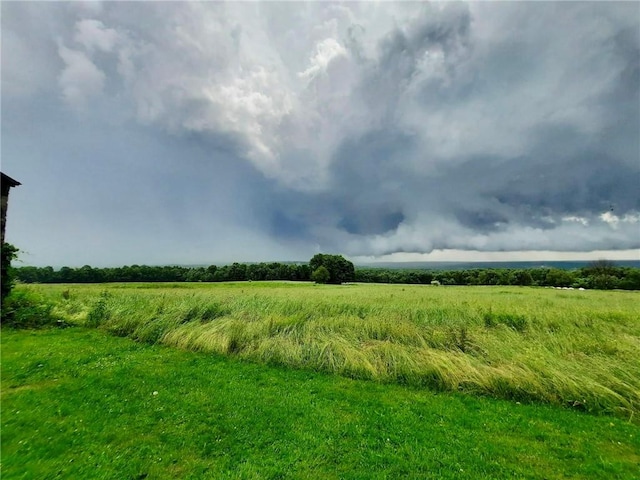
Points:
(577, 349)
(79, 404)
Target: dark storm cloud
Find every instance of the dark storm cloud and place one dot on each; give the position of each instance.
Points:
(400, 52)
(567, 172)
(208, 131)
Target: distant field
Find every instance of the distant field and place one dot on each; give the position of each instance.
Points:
(578, 349)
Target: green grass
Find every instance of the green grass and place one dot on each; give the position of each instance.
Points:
(578, 349)
(77, 404)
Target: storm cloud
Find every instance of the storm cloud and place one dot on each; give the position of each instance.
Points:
(158, 132)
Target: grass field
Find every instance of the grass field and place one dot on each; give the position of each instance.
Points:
(79, 404)
(573, 348)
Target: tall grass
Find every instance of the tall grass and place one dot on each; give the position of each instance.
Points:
(574, 348)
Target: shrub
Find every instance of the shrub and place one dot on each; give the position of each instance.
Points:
(9, 253)
(25, 309)
(321, 275)
(99, 313)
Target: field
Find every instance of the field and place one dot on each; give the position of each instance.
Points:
(286, 380)
(565, 347)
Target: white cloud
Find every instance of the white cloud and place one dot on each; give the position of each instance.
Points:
(326, 51)
(610, 218)
(631, 218)
(573, 218)
(614, 221)
(252, 105)
(92, 34)
(80, 79)
(426, 236)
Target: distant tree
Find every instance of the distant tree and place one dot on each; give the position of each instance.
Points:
(321, 275)
(489, 277)
(303, 272)
(602, 274)
(520, 277)
(539, 276)
(256, 271)
(603, 282)
(631, 279)
(425, 277)
(195, 275)
(340, 269)
(559, 278)
(600, 267)
(210, 273)
(65, 274)
(85, 274)
(237, 272)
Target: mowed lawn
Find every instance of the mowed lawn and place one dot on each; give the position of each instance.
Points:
(78, 403)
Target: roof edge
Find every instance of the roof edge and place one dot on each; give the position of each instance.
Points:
(10, 181)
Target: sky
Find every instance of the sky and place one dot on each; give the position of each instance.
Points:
(198, 133)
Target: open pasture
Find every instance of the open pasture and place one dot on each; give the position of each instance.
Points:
(578, 349)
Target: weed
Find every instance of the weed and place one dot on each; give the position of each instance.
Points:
(212, 311)
(519, 323)
(25, 308)
(99, 313)
(459, 339)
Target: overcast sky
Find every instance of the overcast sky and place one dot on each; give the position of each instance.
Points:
(197, 133)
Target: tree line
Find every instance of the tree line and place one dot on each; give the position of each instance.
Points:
(144, 273)
(335, 269)
(594, 276)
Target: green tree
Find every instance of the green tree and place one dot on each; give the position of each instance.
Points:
(321, 275)
(603, 282)
(559, 278)
(631, 279)
(9, 253)
(489, 277)
(238, 272)
(520, 277)
(340, 269)
(601, 267)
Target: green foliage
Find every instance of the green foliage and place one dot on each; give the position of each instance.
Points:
(603, 281)
(601, 267)
(27, 309)
(8, 254)
(99, 312)
(78, 404)
(490, 277)
(630, 279)
(558, 278)
(143, 273)
(520, 277)
(340, 270)
(518, 323)
(602, 275)
(321, 275)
